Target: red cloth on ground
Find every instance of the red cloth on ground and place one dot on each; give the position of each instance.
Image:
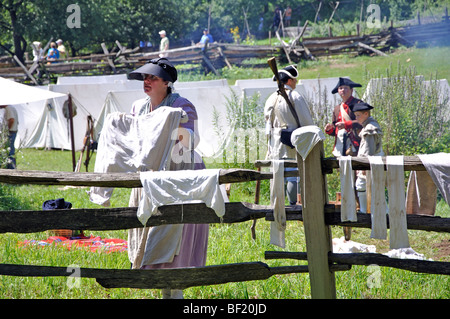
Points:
(93, 243)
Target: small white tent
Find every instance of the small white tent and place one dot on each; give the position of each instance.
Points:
(28, 101)
(51, 127)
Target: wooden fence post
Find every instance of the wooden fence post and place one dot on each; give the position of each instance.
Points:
(317, 233)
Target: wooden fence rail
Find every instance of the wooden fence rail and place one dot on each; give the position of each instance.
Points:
(31, 221)
(125, 180)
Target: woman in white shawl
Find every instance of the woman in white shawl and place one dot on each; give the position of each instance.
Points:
(168, 246)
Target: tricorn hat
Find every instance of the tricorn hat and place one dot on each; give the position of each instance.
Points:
(287, 72)
(159, 67)
(345, 81)
(361, 106)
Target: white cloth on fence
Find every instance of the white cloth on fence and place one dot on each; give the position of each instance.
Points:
(174, 187)
(277, 198)
(378, 199)
(398, 234)
(348, 200)
(132, 144)
(305, 138)
(438, 166)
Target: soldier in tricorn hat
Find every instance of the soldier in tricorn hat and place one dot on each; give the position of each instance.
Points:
(344, 126)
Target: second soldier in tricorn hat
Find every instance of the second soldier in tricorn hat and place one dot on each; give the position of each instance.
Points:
(371, 145)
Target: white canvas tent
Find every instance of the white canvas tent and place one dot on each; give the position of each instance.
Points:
(205, 100)
(92, 79)
(28, 102)
(13, 93)
(43, 122)
(317, 90)
(50, 128)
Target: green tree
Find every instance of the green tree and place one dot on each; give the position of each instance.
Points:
(12, 25)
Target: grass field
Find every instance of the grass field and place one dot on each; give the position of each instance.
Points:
(227, 243)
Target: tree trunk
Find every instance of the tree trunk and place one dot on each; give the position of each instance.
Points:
(20, 43)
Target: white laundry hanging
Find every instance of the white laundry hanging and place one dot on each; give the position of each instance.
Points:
(378, 200)
(348, 200)
(438, 166)
(132, 144)
(305, 138)
(277, 198)
(398, 233)
(185, 186)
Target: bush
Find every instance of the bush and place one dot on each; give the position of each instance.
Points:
(412, 112)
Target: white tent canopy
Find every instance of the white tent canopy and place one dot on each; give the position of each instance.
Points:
(12, 93)
(50, 129)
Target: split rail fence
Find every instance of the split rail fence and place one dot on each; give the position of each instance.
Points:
(316, 213)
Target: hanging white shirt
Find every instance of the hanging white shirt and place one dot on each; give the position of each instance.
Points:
(348, 199)
(185, 186)
(398, 232)
(378, 199)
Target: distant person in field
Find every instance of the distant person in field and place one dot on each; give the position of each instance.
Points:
(38, 52)
(61, 49)
(53, 53)
(11, 120)
(206, 38)
(287, 16)
(276, 19)
(164, 44)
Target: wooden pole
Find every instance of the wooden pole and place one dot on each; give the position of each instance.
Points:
(365, 46)
(257, 195)
(317, 233)
(25, 70)
(74, 163)
(110, 61)
(317, 12)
